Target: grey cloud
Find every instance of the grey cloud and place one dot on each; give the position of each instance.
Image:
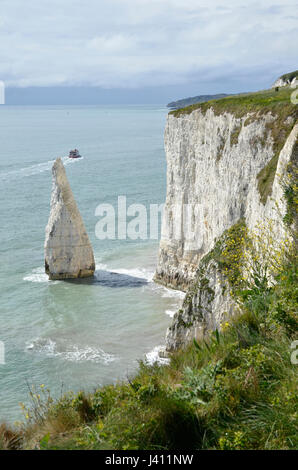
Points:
(134, 43)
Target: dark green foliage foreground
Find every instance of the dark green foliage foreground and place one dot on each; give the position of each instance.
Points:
(236, 390)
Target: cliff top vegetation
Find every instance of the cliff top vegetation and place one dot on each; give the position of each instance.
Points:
(289, 76)
(253, 106)
(193, 100)
(274, 101)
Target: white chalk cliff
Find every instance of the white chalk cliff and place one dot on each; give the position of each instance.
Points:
(215, 163)
(287, 79)
(68, 251)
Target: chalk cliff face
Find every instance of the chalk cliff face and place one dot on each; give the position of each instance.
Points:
(68, 252)
(228, 168)
(213, 163)
(286, 80)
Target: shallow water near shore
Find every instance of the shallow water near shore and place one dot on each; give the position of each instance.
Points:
(83, 333)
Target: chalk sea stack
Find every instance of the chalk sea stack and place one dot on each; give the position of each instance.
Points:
(68, 251)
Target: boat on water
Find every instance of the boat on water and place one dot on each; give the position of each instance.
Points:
(74, 154)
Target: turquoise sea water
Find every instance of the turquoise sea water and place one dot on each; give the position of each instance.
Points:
(79, 334)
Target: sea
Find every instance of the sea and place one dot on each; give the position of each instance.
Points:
(81, 334)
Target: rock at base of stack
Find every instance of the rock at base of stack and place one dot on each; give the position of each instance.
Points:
(68, 251)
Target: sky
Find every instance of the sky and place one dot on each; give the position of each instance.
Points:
(158, 49)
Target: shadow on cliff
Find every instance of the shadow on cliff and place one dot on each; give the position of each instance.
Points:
(110, 279)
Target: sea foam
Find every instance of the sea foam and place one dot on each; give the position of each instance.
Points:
(35, 169)
(153, 356)
(72, 353)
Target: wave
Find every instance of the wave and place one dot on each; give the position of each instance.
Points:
(140, 273)
(153, 356)
(35, 169)
(103, 275)
(172, 293)
(171, 313)
(72, 353)
(37, 275)
(120, 277)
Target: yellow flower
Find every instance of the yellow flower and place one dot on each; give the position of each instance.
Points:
(225, 326)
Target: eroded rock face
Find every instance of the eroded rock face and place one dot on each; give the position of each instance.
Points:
(68, 251)
(280, 82)
(214, 161)
(207, 303)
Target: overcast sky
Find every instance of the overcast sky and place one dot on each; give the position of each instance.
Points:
(210, 46)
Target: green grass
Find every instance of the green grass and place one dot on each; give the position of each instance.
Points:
(239, 105)
(278, 130)
(266, 177)
(235, 390)
(290, 190)
(228, 253)
(235, 135)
